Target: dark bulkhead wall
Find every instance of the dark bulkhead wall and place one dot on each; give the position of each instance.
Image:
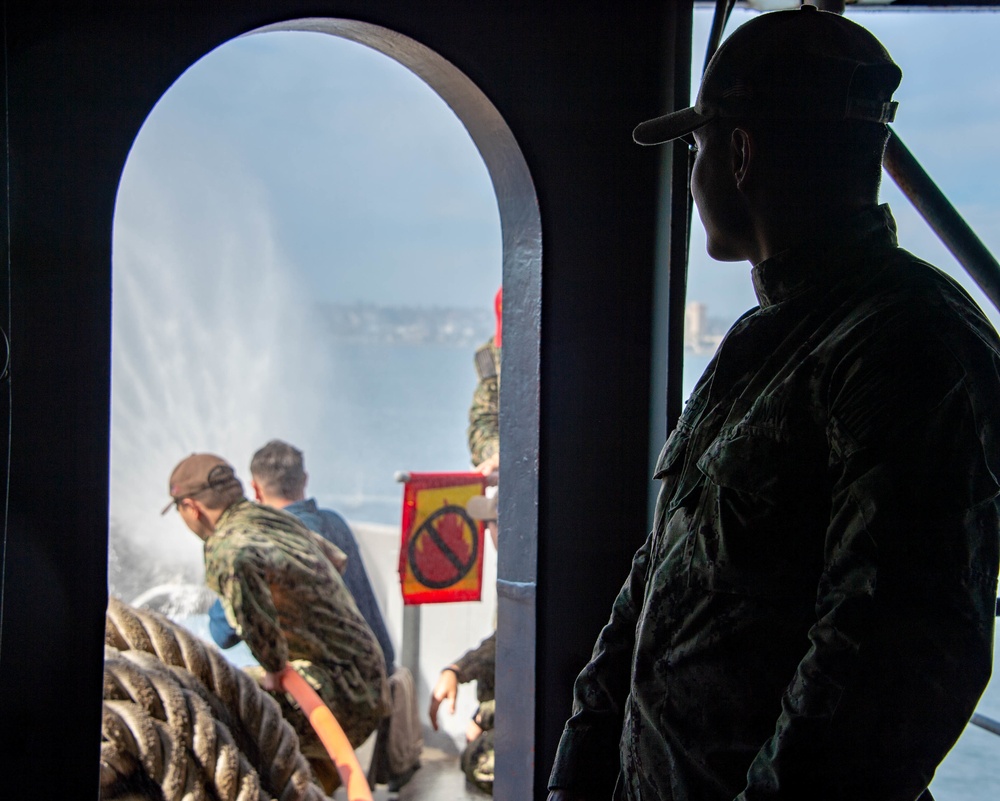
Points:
(80, 79)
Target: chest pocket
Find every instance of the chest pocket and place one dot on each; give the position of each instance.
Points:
(671, 459)
(763, 512)
(768, 462)
(670, 463)
(672, 468)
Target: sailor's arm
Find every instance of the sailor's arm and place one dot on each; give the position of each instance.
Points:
(336, 556)
(565, 795)
(587, 759)
(249, 596)
(483, 431)
(484, 418)
(478, 664)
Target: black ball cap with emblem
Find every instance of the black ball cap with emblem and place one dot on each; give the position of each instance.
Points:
(802, 64)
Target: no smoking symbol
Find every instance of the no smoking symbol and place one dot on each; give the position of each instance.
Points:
(448, 548)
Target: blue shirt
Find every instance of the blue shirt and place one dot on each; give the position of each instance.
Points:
(332, 527)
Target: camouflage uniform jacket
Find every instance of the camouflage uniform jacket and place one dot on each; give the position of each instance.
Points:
(280, 589)
(479, 665)
(484, 413)
(812, 615)
(333, 528)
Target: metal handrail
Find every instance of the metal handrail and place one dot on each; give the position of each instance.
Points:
(723, 10)
(984, 722)
(942, 217)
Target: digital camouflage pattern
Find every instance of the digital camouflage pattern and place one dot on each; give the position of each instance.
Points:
(484, 413)
(283, 595)
(812, 614)
(479, 665)
(479, 757)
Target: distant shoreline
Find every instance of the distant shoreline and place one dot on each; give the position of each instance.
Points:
(368, 324)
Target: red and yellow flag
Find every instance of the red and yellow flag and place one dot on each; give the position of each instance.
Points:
(441, 555)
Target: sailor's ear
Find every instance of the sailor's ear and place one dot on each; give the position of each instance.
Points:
(257, 494)
(197, 506)
(742, 151)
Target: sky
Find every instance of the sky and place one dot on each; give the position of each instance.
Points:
(372, 188)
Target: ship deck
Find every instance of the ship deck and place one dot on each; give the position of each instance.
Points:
(439, 778)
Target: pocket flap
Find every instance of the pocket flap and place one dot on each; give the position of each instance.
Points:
(671, 458)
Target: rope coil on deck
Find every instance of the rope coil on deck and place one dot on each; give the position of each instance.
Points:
(177, 714)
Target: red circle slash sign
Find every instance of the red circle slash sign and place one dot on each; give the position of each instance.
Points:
(448, 547)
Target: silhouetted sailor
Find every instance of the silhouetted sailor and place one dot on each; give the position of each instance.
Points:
(811, 616)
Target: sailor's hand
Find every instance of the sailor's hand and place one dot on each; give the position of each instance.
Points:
(490, 467)
(472, 731)
(446, 689)
(272, 681)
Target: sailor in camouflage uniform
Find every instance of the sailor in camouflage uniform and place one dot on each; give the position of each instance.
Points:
(478, 665)
(484, 413)
(283, 593)
(478, 757)
(812, 614)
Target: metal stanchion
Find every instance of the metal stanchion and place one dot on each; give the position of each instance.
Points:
(942, 217)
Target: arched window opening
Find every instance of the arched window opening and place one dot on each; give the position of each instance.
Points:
(306, 247)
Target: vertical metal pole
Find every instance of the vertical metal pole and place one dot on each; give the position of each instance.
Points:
(670, 289)
(670, 279)
(680, 235)
(723, 10)
(409, 656)
(681, 207)
(410, 646)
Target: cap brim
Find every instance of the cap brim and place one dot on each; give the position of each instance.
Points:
(669, 127)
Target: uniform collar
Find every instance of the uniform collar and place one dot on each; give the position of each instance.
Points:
(230, 511)
(233, 508)
(305, 505)
(824, 260)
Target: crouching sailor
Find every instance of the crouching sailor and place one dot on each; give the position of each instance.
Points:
(282, 591)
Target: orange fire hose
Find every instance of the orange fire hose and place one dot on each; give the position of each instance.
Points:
(330, 734)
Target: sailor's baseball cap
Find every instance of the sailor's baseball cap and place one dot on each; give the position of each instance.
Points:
(198, 473)
(802, 64)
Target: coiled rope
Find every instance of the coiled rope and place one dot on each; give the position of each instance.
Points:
(179, 716)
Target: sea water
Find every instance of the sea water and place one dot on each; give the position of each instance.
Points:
(971, 772)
